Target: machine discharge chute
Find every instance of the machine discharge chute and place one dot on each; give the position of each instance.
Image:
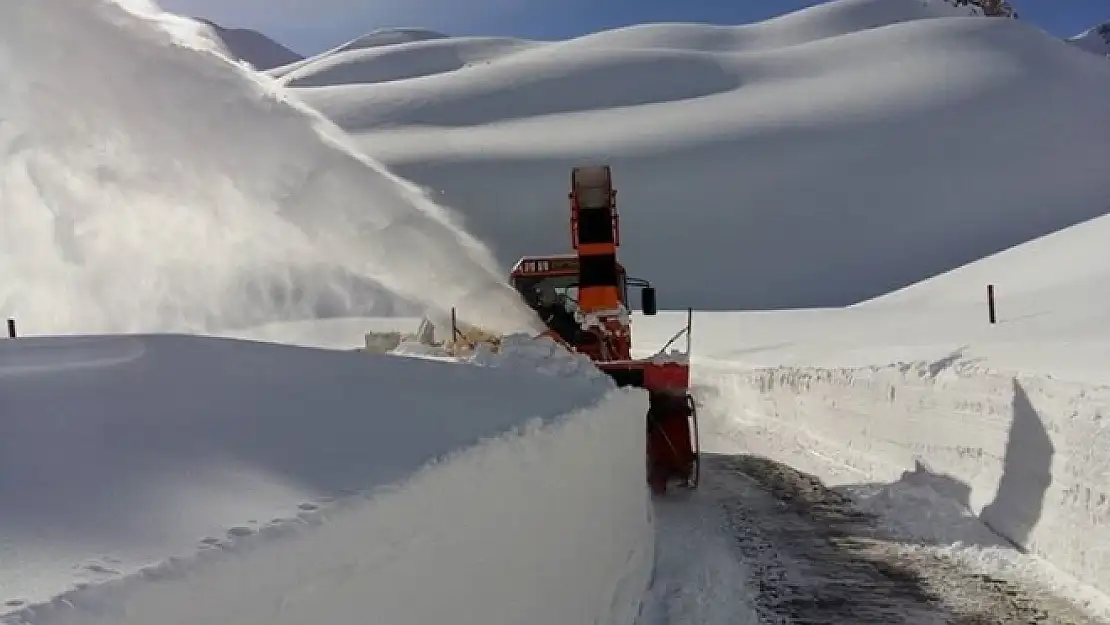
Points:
(583, 297)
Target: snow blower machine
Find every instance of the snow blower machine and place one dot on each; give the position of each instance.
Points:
(582, 297)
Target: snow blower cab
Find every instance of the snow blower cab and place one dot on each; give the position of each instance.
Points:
(551, 286)
(583, 298)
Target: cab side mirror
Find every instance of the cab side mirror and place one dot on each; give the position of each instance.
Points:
(647, 297)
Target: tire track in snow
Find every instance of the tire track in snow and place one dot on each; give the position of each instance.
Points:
(698, 578)
(813, 558)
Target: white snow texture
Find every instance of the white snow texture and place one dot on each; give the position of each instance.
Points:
(120, 452)
(869, 157)
(1026, 454)
(149, 186)
(817, 159)
(1094, 40)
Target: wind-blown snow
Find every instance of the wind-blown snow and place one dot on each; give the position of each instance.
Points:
(178, 479)
(830, 155)
(150, 184)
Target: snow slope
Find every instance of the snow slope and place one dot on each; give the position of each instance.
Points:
(384, 63)
(178, 479)
(197, 197)
(825, 139)
(984, 443)
(323, 449)
(877, 143)
(175, 479)
(244, 44)
(1095, 40)
(381, 38)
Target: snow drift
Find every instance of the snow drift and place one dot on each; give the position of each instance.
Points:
(820, 158)
(176, 479)
(151, 184)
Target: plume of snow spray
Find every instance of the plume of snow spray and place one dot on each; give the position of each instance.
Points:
(148, 183)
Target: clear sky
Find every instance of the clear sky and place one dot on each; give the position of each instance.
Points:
(311, 26)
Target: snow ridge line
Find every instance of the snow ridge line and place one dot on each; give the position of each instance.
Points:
(480, 536)
(1026, 452)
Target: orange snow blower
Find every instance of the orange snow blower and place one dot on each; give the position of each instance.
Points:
(583, 299)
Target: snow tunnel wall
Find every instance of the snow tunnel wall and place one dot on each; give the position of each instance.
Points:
(1025, 454)
(547, 525)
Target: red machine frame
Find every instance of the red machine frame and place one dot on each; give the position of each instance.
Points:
(673, 445)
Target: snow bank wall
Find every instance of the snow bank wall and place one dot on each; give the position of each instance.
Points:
(143, 472)
(1031, 450)
(549, 524)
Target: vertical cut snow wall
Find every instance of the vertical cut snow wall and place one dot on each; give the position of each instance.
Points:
(1026, 454)
(547, 525)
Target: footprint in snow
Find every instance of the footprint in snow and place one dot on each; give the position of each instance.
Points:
(239, 531)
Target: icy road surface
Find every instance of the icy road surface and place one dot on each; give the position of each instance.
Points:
(762, 542)
(799, 552)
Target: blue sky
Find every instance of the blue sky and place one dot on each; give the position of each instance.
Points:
(311, 26)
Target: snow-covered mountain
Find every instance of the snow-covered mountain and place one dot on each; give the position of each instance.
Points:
(251, 46)
(824, 156)
(822, 139)
(368, 43)
(1095, 40)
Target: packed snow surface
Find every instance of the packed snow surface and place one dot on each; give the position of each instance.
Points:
(178, 479)
(817, 159)
(151, 184)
